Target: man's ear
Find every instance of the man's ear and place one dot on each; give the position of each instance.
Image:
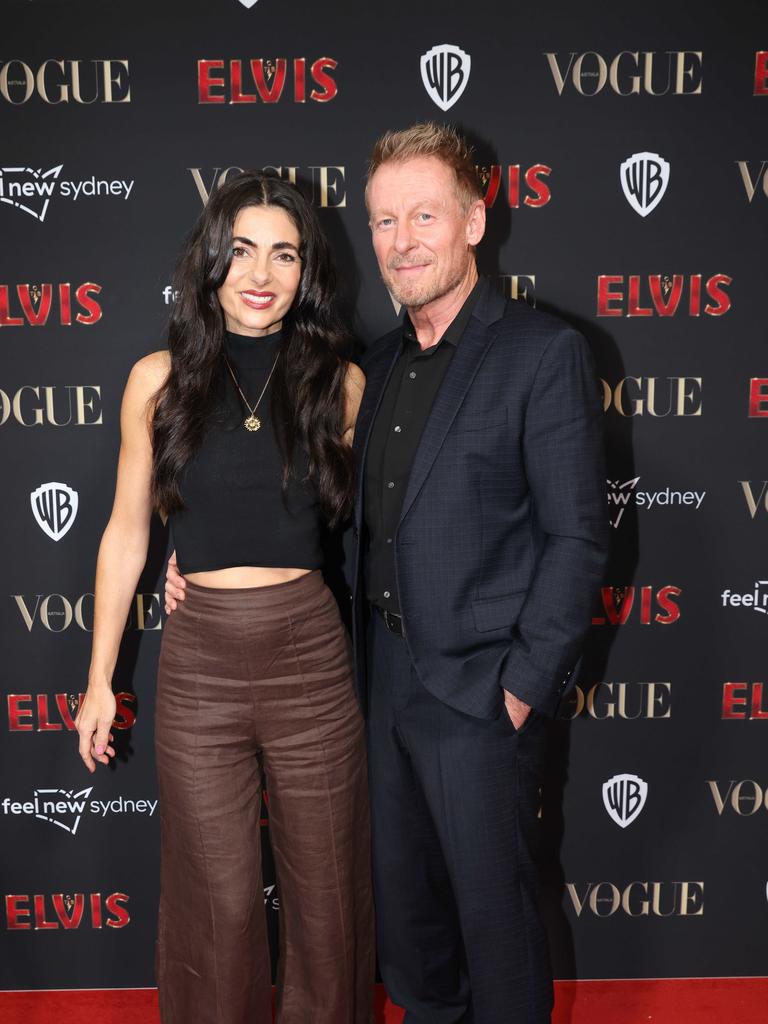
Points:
(476, 222)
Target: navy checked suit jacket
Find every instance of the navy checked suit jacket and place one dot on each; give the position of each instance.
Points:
(503, 534)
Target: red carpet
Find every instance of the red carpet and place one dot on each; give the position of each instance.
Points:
(702, 1001)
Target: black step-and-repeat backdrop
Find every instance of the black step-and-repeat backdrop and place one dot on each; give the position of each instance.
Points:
(626, 169)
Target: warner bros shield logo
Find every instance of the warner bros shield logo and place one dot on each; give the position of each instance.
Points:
(445, 73)
(54, 506)
(624, 797)
(644, 178)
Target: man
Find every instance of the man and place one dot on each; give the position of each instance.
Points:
(482, 536)
(482, 527)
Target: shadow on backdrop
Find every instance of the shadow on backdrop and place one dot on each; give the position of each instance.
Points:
(622, 563)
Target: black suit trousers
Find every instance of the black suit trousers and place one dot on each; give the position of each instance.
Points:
(454, 803)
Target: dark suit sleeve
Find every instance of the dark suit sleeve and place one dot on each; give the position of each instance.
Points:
(564, 463)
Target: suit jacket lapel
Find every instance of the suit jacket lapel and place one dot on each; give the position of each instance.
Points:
(455, 385)
(376, 380)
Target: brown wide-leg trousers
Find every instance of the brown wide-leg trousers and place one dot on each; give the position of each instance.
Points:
(253, 681)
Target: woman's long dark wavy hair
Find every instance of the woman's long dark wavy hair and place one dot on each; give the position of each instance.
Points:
(308, 383)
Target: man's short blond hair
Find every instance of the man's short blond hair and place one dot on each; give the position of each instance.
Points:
(430, 139)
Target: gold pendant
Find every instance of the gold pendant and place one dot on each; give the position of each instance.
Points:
(252, 423)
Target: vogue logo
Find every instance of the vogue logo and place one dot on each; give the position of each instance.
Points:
(744, 798)
(674, 72)
(55, 712)
(751, 183)
(627, 701)
(445, 72)
(662, 295)
(57, 613)
(539, 192)
(37, 405)
(638, 899)
(263, 80)
(755, 503)
(22, 304)
(61, 910)
(656, 396)
(744, 701)
(519, 287)
(65, 81)
(326, 180)
(31, 190)
(619, 603)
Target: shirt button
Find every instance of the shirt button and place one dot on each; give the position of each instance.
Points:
(412, 375)
(386, 593)
(398, 430)
(391, 484)
(389, 540)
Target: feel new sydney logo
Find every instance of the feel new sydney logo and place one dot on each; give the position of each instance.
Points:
(66, 808)
(623, 493)
(31, 190)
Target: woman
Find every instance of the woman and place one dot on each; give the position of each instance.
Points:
(240, 435)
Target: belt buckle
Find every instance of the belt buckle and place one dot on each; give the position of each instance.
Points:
(393, 622)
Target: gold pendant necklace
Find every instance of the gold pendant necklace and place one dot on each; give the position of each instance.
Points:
(251, 422)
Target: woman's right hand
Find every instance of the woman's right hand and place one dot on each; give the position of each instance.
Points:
(174, 585)
(93, 722)
(122, 554)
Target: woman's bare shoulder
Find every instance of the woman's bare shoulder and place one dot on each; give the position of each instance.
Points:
(152, 371)
(354, 385)
(146, 378)
(354, 380)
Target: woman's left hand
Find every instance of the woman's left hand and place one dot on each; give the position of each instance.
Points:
(93, 722)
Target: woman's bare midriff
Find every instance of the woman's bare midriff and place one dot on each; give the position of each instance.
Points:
(243, 576)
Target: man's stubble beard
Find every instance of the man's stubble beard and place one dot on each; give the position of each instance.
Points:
(418, 297)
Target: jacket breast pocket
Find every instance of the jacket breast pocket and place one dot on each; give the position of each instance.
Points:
(497, 612)
(496, 418)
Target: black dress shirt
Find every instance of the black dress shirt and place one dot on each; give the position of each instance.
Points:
(395, 435)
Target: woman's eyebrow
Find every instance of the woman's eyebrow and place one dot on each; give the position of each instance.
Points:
(275, 245)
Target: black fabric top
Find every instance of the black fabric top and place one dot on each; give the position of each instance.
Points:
(234, 510)
(395, 435)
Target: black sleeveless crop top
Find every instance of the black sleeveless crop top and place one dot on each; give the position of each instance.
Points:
(235, 512)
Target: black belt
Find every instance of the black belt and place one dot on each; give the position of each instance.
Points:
(392, 620)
